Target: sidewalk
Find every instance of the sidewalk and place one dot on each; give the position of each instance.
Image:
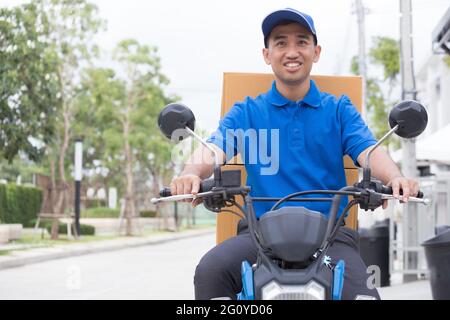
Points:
(24, 257)
(416, 290)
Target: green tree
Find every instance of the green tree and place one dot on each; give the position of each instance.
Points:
(19, 170)
(144, 98)
(100, 94)
(121, 109)
(73, 25)
(60, 32)
(447, 61)
(28, 82)
(384, 53)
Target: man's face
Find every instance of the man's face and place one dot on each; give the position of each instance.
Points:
(291, 53)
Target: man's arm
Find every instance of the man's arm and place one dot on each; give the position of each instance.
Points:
(199, 166)
(201, 163)
(384, 168)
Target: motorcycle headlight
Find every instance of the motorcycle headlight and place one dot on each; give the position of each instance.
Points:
(275, 291)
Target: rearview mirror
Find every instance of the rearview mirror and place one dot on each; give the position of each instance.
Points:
(411, 118)
(407, 119)
(177, 122)
(176, 117)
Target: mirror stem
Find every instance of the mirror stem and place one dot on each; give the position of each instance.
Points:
(217, 161)
(366, 170)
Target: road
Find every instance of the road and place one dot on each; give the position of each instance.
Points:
(163, 271)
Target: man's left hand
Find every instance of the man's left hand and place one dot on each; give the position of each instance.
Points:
(409, 187)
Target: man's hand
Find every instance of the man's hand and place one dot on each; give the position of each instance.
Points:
(194, 170)
(184, 184)
(409, 186)
(384, 169)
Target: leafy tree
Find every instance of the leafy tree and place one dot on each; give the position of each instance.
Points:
(143, 99)
(56, 36)
(121, 110)
(28, 82)
(384, 53)
(447, 61)
(100, 94)
(73, 25)
(19, 170)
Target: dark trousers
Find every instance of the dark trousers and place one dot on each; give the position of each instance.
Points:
(219, 272)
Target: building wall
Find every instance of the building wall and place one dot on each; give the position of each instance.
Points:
(433, 84)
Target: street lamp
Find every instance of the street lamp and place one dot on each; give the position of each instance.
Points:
(78, 176)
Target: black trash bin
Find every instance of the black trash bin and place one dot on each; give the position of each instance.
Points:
(374, 248)
(437, 252)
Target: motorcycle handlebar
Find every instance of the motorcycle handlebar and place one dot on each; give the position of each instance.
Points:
(208, 184)
(205, 185)
(388, 190)
(367, 200)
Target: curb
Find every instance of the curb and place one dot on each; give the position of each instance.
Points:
(66, 251)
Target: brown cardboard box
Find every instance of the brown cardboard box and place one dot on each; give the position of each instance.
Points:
(236, 86)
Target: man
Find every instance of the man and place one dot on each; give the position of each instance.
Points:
(312, 130)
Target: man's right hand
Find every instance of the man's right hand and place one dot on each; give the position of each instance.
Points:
(190, 179)
(185, 184)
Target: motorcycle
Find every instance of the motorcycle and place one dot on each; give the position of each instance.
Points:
(292, 241)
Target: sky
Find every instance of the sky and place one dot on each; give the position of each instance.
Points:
(199, 40)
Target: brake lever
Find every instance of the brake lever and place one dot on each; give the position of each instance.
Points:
(180, 197)
(424, 201)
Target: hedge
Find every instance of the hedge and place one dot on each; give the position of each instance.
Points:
(100, 212)
(147, 214)
(85, 229)
(19, 204)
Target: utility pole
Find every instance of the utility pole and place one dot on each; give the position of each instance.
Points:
(360, 14)
(409, 166)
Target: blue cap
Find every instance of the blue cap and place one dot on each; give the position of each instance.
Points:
(288, 14)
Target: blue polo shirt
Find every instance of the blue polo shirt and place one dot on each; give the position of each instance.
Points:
(290, 146)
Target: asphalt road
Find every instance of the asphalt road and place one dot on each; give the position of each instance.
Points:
(163, 271)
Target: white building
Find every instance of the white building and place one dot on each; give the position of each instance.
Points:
(433, 86)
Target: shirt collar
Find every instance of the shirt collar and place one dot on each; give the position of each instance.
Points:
(312, 98)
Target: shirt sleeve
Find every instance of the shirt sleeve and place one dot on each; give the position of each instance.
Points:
(355, 135)
(224, 137)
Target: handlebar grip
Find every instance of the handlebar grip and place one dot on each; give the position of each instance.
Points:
(165, 192)
(205, 185)
(388, 190)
